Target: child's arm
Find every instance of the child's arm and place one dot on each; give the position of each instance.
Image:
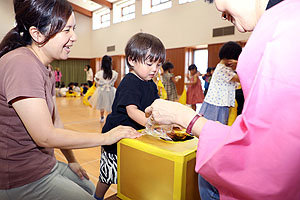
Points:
(137, 115)
(235, 78)
(194, 80)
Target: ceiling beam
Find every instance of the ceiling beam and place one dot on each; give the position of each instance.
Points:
(104, 3)
(81, 10)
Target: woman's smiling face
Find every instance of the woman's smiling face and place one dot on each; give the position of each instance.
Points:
(242, 13)
(58, 47)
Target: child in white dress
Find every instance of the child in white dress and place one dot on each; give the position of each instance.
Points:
(104, 95)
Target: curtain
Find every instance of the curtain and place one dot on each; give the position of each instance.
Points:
(72, 70)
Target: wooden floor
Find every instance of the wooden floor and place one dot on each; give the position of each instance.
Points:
(76, 116)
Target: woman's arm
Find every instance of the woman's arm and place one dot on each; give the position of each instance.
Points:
(137, 115)
(168, 112)
(35, 116)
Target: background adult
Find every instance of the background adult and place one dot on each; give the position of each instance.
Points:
(89, 75)
(30, 126)
(256, 157)
(58, 76)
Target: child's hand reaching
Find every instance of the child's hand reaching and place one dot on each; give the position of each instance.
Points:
(231, 63)
(118, 133)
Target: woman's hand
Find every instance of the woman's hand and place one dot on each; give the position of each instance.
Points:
(77, 169)
(168, 112)
(118, 133)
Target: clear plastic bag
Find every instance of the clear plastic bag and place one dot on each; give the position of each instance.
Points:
(158, 131)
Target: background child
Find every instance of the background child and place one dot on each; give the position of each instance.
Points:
(104, 95)
(169, 81)
(194, 93)
(144, 55)
(63, 90)
(84, 88)
(221, 92)
(76, 88)
(207, 77)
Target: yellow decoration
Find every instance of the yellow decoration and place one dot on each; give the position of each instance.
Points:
(73, 94)
(88, 95)
(182, 98)
(232, 114)
(161, 90)
(150, 168)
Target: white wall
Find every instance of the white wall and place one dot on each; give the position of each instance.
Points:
(184, 25)
(82, 48)
(7, 17)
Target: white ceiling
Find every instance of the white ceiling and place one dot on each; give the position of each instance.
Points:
(88, 4)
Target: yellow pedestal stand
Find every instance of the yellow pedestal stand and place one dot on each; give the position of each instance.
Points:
(153, 169)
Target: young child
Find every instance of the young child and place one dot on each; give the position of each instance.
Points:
(76, 88)
(221, 91)
(104, 95)
(194, 92)
(169, 81)
(207, 77)
(63, 90)
(144, 55)
(84, 88)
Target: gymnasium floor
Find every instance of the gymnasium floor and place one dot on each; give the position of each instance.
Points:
(76, 116)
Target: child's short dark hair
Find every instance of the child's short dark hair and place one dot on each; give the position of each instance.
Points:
(192, 66)
(167, 65)
(230, 50)
(143, 46)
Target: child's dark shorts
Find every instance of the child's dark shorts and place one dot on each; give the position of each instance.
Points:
(108, 168)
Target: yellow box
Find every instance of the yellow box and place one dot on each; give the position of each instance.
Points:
(153, 169)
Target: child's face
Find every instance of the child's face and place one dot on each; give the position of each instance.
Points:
(193, 72)
(145, 71)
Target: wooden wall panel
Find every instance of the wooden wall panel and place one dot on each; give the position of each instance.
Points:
(95, 64)
(213, 54)
(118, 64)
(177, 56)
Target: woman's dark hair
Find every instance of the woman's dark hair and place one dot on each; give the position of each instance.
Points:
(167, 66)
(230, 50)
(143, 46)
(88, 67)
(49, 17)
(192, 66)
(106, 67)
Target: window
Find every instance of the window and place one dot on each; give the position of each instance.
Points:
(101, 18)
(150, 6)
(185, 1)
(124, 11)
(201, 61)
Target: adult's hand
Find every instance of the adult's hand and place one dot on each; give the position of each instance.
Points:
(168, 112)
(77, 169)
(120, 132)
